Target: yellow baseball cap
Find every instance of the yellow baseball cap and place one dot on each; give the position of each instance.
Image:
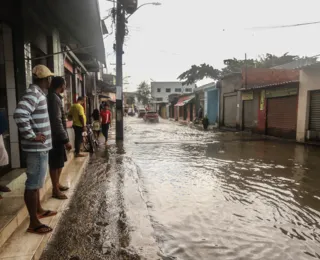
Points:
(41, 72)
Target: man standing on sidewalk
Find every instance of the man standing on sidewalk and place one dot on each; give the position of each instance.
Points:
(32, 118)
(60, 139)
(105, 121)
(77, 115)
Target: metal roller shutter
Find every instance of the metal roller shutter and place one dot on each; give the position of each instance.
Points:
(282, 117)
(314, 117)
(248, 114)
(230, 111)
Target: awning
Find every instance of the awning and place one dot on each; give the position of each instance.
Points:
(79, 24)
(184, 100)
(189, 100)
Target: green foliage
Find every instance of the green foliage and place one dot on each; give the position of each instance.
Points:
(197, 73)
(144, 93)
(130, 100)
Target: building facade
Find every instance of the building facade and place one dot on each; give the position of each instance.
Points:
(31, 34)
(308, 124)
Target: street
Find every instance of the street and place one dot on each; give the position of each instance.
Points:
(173, 192)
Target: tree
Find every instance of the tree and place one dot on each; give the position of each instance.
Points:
(268, 60)
(130, 100)
(197, 73)
(144, 93)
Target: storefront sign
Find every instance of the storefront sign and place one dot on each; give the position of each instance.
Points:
(262, 99)
(247, 95)
(281, 92)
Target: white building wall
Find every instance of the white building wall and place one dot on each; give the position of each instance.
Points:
(168, 85)
(309, 80)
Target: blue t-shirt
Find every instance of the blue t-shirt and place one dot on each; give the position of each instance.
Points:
(3, 123)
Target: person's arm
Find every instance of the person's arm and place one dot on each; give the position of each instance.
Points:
(22, 116)
(57, 124)
(81, 118)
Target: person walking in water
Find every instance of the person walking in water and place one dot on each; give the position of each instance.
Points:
(105, 121)
(32, 118)
(60, 139)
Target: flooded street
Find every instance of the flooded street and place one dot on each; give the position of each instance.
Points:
(213, 196)
(180, 193)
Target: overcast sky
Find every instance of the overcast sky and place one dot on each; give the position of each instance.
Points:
(166, 40)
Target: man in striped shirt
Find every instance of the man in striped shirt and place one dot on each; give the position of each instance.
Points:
(32, 118)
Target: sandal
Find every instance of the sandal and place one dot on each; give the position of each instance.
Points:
(60, 196)
(47, 214)
(4, 189)
(63, 188)
(40, 230)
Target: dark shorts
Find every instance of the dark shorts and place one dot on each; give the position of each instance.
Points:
(57, 156)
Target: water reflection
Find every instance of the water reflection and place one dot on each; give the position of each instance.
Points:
(223, 196)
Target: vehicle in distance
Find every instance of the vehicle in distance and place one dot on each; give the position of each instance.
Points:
(131, 112)
(141, 112)
(151, 117)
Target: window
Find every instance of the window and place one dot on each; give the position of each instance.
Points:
(168, 90)
(158, 90)
(188, 89)
(177, 90)
(159, 99)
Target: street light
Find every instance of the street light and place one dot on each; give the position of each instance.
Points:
(120, 33)
(154, 3)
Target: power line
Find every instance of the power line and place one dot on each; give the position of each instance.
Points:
(283, 26)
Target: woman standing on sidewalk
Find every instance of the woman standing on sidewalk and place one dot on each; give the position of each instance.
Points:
(105, 121)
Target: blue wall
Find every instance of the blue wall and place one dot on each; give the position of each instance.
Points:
(213, 106)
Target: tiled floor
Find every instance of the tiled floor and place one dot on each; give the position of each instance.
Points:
(22, 245)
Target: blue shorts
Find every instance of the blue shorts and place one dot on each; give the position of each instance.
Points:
(37, 165)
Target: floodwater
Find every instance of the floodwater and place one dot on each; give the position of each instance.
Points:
(226, 196)
(190, 194)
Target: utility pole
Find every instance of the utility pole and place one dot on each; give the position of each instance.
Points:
(120, 31)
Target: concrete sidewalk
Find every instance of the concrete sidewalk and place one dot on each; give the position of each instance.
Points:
(15, 242)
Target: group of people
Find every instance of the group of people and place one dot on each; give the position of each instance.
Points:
(102, 121)
(41, 121)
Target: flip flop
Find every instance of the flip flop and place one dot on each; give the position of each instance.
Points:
(63, 188)
(47, 214)
(60, 197)
(40, 230)
(4, 189)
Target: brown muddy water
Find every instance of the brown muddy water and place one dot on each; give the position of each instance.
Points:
(223, 196)
(206, 195)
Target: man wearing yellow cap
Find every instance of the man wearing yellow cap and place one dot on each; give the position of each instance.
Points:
(31, 116)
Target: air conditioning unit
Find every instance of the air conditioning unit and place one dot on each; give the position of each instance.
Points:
(130, 6)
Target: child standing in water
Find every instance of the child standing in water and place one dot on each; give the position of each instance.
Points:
(96, 126)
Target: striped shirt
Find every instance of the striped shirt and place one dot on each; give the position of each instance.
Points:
(32, 117)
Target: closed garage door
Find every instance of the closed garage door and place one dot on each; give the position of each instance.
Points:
(282, 117)
(314, 120)
(230, 111)
(248, 114)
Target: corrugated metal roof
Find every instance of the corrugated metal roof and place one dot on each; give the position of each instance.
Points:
(270, 85)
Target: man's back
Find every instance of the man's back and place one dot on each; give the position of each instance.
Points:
(76, 111)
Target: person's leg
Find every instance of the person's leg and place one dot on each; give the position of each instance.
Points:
(76, 142)
(35, 177)
(107, 132)
(41, 180)
(104, 128)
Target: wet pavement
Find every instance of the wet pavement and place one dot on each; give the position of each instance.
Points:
(190, 194)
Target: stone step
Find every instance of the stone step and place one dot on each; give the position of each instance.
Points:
(15, 243)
